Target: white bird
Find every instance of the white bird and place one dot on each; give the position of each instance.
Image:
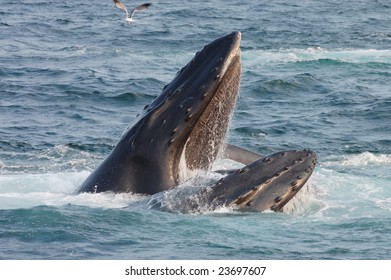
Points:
(129, 17)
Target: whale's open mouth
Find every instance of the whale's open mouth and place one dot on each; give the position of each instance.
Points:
(185, 126)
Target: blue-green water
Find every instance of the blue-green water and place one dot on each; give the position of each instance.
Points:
(73, 76)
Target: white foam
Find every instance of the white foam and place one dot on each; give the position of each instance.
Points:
(347, 195)
(328, 193)
(306, 201)
(50, 182)
(374, 164)
(254, 58)
(366, 158)
(54, 189)
(176, 199)
(32, 199)
(384, 203)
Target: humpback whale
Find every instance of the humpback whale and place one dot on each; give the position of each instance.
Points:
(183, 129)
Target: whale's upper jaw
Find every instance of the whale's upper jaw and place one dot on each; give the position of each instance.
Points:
(193, 111)
(183, 127)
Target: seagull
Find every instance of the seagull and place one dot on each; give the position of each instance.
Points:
(129, 18)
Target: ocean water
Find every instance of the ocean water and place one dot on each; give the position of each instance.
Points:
(74, 75)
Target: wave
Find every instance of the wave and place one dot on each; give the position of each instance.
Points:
(253, 58)
(367, 158)
(20, 158)
(362, 159)
(55, 189)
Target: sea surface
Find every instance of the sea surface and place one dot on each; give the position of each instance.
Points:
(74, 75)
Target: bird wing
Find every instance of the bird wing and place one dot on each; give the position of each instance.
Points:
(120, 5)
(139, 8)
